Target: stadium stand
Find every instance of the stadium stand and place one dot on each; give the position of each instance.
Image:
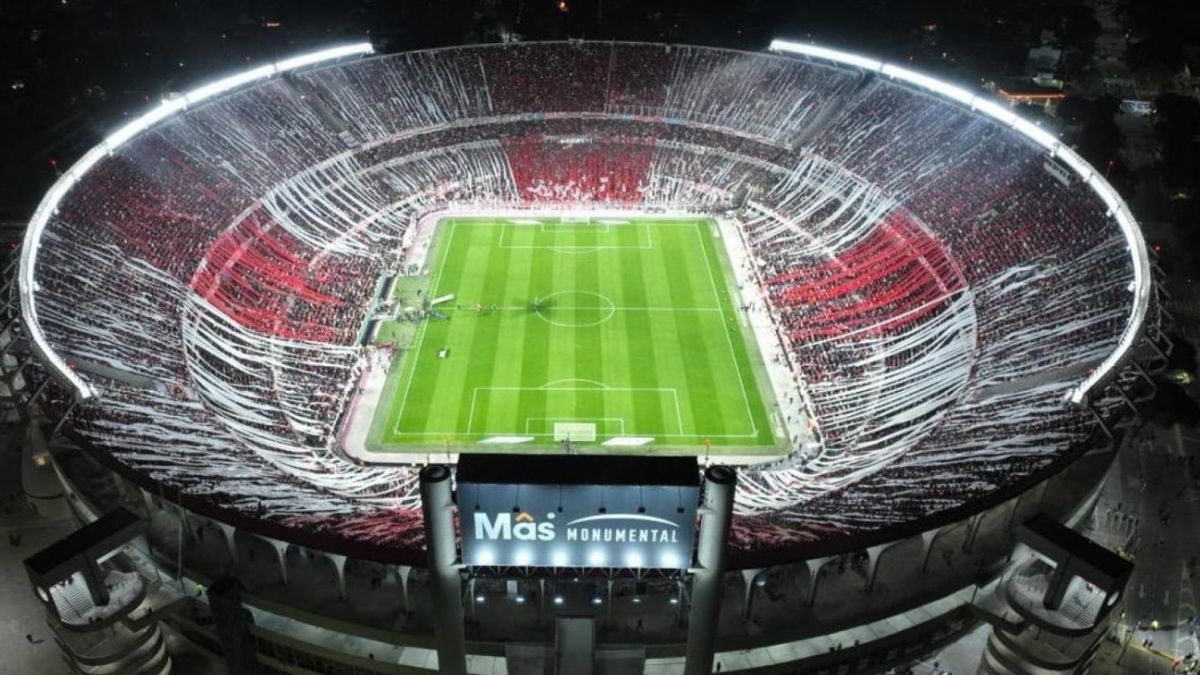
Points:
(937, 293)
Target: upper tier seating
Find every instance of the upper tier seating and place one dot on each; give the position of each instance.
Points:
(936, 291)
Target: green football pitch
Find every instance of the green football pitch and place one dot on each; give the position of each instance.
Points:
(610, 329)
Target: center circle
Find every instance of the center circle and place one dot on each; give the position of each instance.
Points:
(576, 309)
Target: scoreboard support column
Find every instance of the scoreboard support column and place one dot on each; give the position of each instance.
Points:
(716, 512)
(437, 506)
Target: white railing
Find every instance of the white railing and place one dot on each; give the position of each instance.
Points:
(50, 202)
(1142, 283)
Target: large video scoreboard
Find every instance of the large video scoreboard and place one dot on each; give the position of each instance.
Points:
(577, 511)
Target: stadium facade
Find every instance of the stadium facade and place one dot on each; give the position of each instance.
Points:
(964, 306)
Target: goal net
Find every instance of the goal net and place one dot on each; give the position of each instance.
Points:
(574, 431)
(574, 220)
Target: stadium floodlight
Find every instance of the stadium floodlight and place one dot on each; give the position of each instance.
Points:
(28, 263)
(524, 556)
(1074, 161)
(1141, 286)
(262, 72)
(931, 83)
(671, 560)
(1036, 133)
(357, 49)
(828, 54)
(1003, 114)
(1106, 193)
(156, 115)
(230, 83)
(50, 201)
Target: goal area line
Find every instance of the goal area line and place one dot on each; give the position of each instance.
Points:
(626, 401)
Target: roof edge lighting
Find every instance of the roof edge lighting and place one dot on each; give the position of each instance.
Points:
(49, 204)
(1116, 206)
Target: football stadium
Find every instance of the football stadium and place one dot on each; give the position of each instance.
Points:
(276, 306)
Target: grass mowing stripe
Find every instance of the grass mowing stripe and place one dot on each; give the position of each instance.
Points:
(562, 339)
(452, 387)
(614, 335)
(726, 404)
(691, 329)
(535, 349)
(745, 402)
(722, 373)
(670, 365)
(642, 356)
(653, 264)
(473, 350)
(483, 325)
(508, 281)
(590, 359)
(408, 360)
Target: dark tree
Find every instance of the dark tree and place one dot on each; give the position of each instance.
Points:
(1183, 355)
(1172, 405)
(1160, 32)
(1177, 127)
(1094, 133)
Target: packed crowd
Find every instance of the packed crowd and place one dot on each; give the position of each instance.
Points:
(263, 278)
(937, 291)
(891, 278)
(580, 170)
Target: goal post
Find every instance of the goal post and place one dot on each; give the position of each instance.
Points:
(576, 432)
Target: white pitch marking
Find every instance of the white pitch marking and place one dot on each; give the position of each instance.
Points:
(514, 308)
(599, 385)
(678, 411)
(574, 250)
(503, 433)
(551, 386)
(575, 419)
(471, 416)
(675, 395)
(728, 340)
(413, 352)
